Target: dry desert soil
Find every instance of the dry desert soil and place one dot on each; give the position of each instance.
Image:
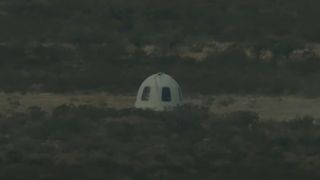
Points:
(268, 108)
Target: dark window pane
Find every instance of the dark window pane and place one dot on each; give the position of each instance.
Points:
(180, 94)
(145, 94)
(166, 94)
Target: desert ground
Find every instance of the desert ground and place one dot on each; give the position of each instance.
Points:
(268, 108)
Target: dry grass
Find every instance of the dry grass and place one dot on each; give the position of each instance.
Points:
(48, 101)
(277, 108)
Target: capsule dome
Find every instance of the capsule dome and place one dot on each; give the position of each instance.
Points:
(159, 92)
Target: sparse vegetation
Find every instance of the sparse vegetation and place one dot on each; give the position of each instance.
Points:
(84, 142)
(253, 47)
(226, 101)
(211, 47)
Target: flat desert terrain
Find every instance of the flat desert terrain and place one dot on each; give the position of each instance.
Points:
(269, 108)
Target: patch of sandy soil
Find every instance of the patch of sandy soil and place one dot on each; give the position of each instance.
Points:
(268, 108)
(49, 101)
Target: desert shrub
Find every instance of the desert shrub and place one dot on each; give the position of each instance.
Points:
(86, 141)
(87, 111)
(36, 112)
(14, 156)
(85, 69)
(299, 122)
(185, 118)
(239, 118)
(226, 101)
(98, 39)
(61, 127)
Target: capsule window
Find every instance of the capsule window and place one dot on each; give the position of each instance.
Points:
(146, 94)
(166, 94)
(180, 94)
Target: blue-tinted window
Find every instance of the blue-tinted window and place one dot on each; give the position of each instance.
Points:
(166, 94)
(146, 94)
